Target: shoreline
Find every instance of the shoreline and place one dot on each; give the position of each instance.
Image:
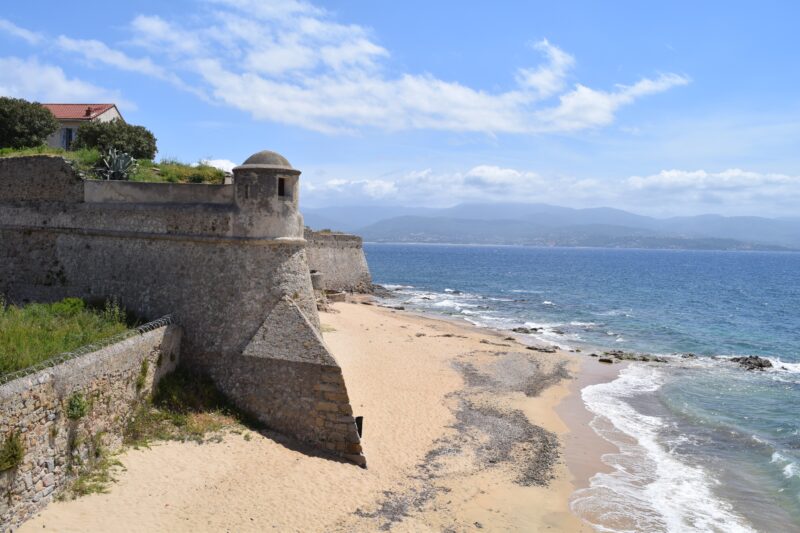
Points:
(463, 429)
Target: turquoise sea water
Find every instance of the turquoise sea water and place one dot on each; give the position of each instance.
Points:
(704, 445)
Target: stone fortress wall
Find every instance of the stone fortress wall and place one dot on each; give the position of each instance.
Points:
(227, 261)
(57, 439)
(339, 257)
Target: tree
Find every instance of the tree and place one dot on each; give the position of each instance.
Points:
(24, 124)
(137, 141)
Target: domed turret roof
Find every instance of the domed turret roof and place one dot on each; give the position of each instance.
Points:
(268, 160)
(266, 157)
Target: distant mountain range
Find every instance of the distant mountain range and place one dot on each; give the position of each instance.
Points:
(548, 225)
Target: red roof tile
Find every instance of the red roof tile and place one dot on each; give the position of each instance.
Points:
(78, 111)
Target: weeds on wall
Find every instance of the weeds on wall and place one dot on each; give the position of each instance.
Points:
(141, 379)
(12, 452)
(77, 406)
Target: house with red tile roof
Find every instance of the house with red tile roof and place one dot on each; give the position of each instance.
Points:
(72, 116)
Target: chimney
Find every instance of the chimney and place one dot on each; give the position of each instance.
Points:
(88, 111)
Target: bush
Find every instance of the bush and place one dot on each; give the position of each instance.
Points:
(77, 407)
(12, 452)
(24, 124)
(137, 141)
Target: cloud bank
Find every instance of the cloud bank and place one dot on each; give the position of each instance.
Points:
(291, 62)
(669, 192)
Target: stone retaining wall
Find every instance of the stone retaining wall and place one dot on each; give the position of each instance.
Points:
(340, 258)
(108, 383)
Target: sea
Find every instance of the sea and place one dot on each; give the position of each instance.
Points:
(704, 445)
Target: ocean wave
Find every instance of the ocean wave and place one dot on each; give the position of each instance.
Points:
(648, 488)
(395, 287)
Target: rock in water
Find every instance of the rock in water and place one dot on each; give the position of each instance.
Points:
(753, 362)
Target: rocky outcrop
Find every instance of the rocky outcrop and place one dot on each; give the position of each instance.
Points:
(753, 362)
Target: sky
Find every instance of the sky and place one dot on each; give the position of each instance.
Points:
(669, 108)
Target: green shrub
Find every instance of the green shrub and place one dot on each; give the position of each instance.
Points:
(137, 141)
(24, 124)
(77, 406)
(12, 452)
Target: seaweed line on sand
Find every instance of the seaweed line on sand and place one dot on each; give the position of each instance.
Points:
(497, 436)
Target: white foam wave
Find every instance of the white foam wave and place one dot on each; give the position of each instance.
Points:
(394, 287)
(778, 366)
(649, 488)
(790, 469)
(547, 302)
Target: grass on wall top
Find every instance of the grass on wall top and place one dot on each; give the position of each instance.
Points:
(36, 332)
(165, 171)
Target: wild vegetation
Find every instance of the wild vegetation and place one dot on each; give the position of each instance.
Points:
(36, 332)
(185, 406)
(90, 162)
(113, 150)
(117, 134)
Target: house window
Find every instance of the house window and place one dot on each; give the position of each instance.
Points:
(282, 187)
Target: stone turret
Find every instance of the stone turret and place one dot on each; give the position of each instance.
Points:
(267, 184)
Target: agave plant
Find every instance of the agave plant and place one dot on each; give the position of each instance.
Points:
(117, 165)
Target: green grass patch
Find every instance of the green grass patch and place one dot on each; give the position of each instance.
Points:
(166, 171)
(35, 332)
(172, 171)
(186, 407)
(86, 159)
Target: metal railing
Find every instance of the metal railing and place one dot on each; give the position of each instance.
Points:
(86, 349)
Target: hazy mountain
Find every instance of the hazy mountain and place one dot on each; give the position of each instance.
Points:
(548, 225)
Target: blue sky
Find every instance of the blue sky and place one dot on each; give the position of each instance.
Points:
(677, 108)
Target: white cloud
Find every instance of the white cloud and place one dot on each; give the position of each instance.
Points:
(734, 178)
(33, 80)
(293, 63)
(100, 52)
(549, 79)
(222, 164)
(12, 29)
(290, 62)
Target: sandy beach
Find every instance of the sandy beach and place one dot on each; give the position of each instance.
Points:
(464, 429)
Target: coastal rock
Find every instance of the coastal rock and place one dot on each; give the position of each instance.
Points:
(543, 349)
(606, 360)
(753, 362)
(525, 330)
(628, 356)
(381, 292)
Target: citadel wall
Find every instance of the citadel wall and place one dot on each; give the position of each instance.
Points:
(227, 261)
(109, 382)
(340, 258)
